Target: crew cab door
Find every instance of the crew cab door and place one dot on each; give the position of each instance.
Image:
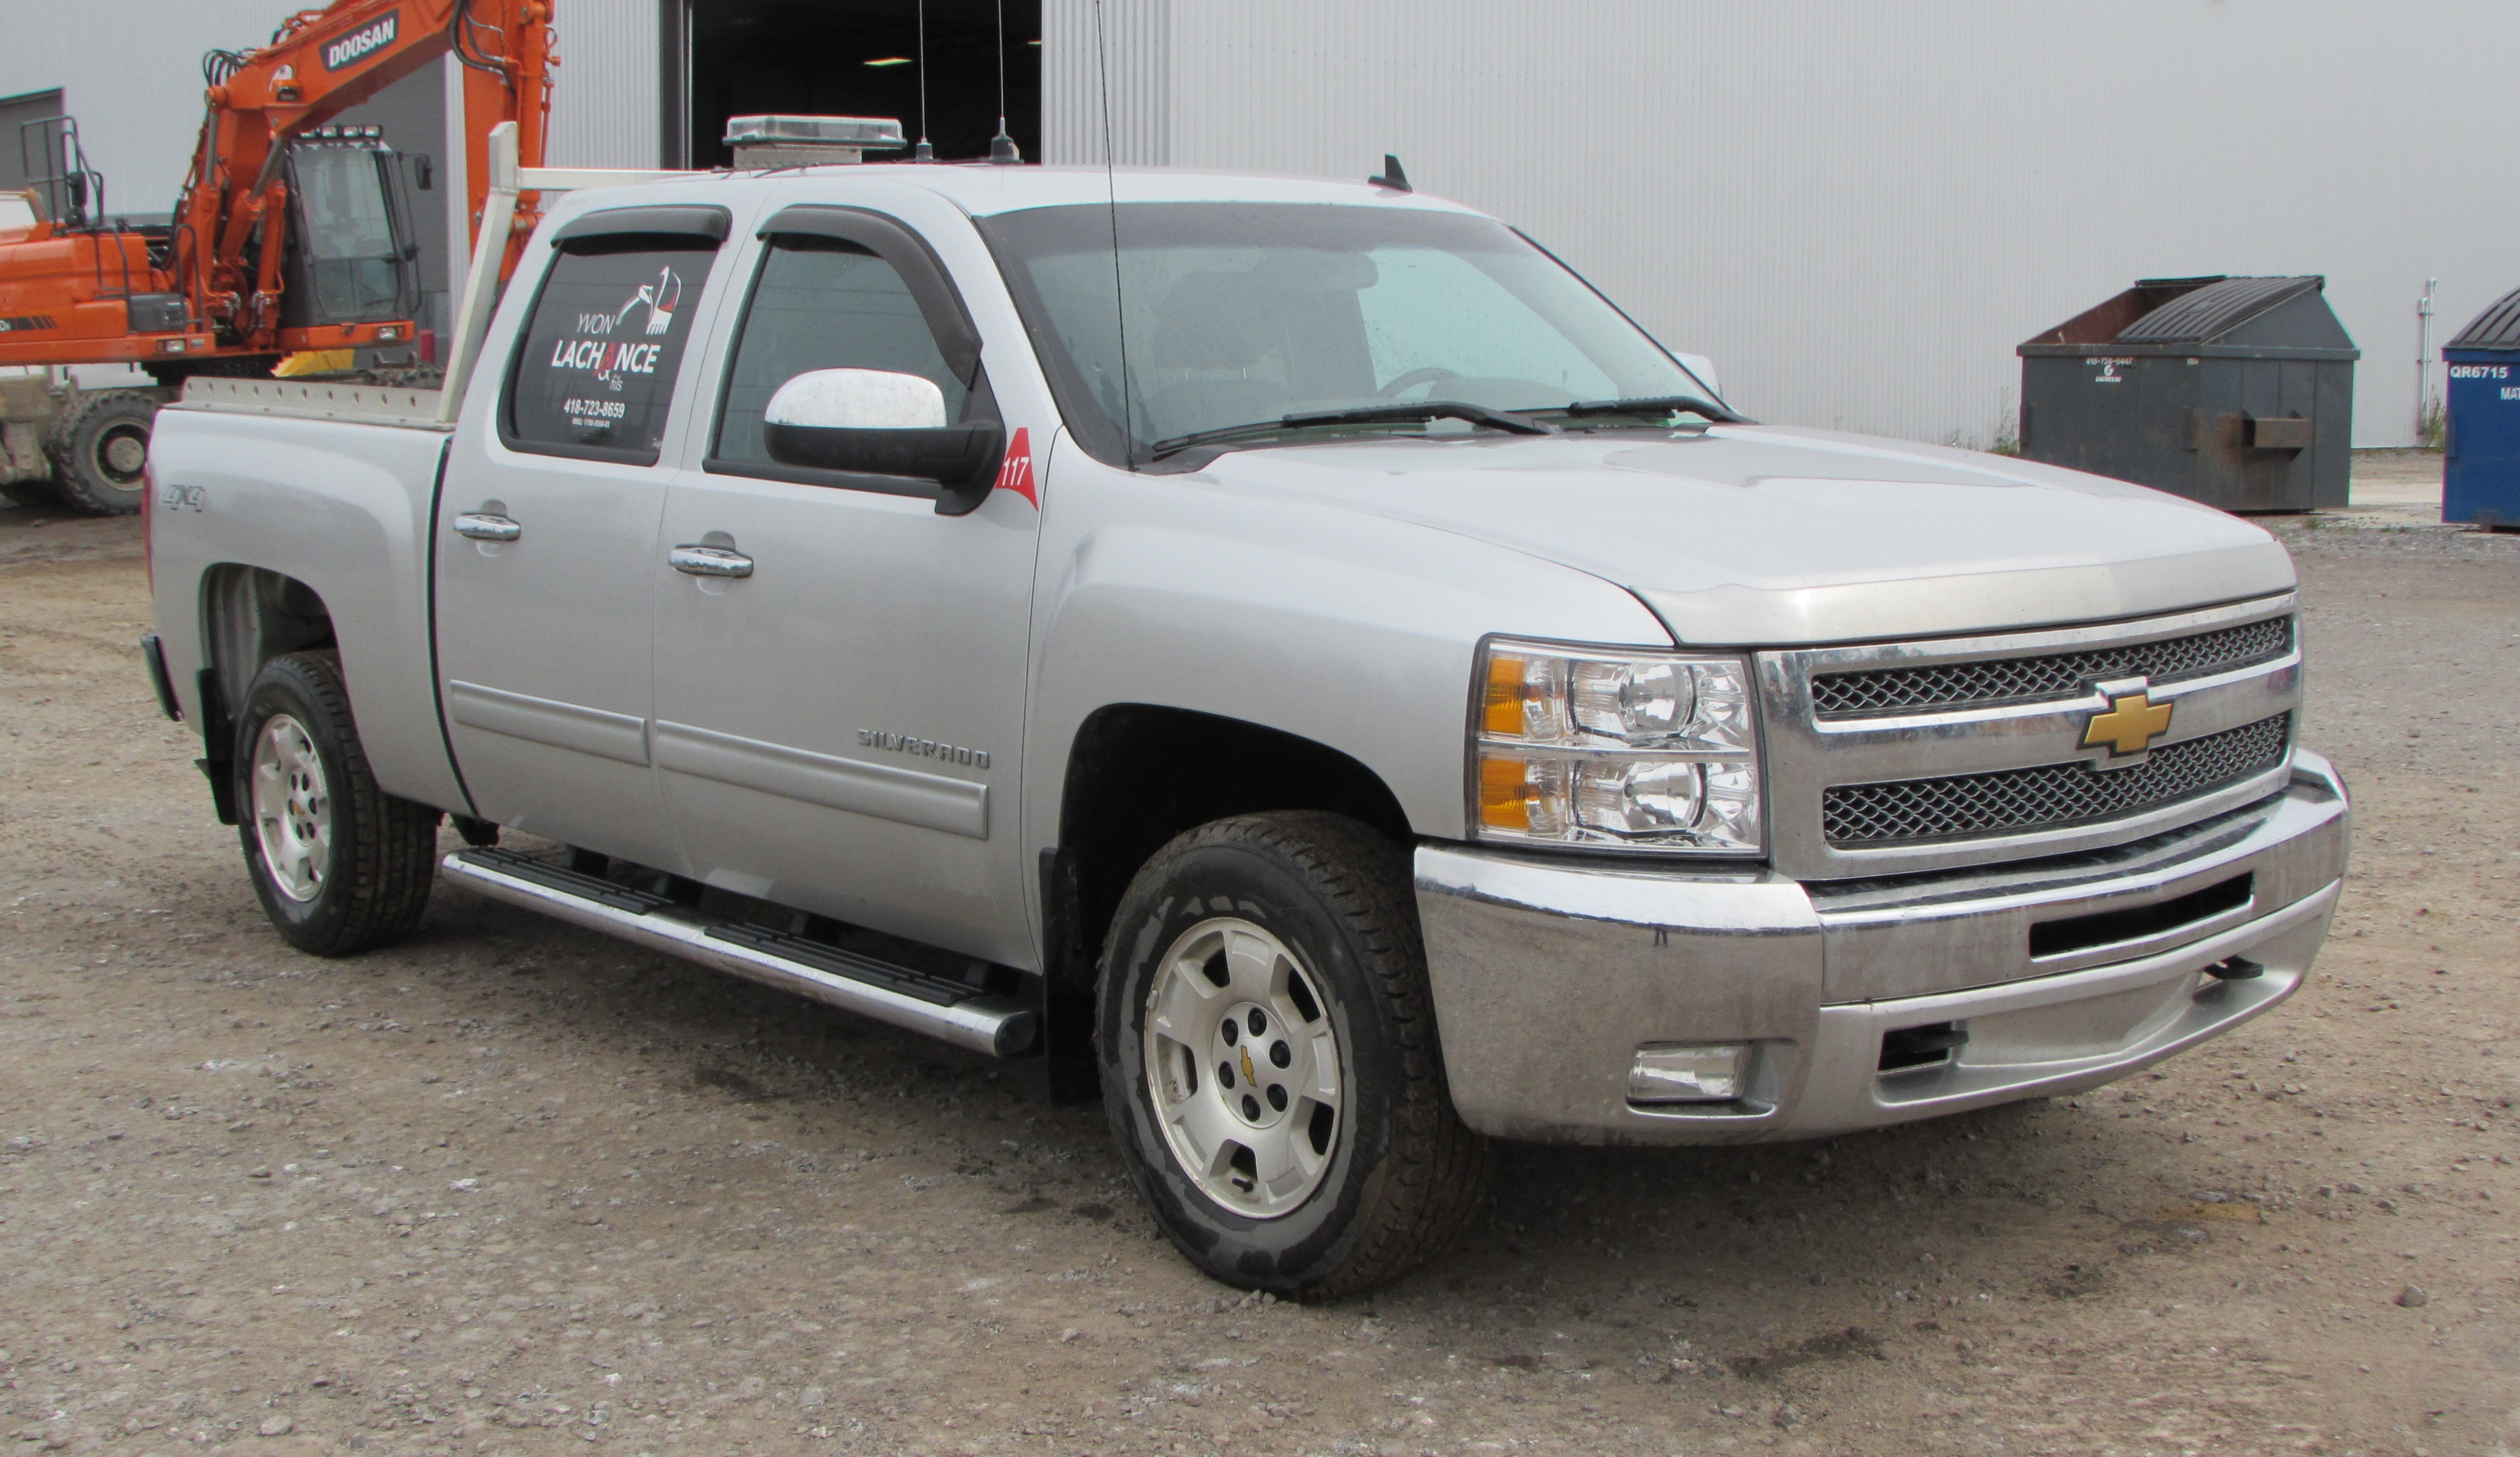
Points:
(838, 728)
(547, 550)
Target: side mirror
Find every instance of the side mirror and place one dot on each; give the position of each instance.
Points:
(878, 423)
(424, 172)
(1703, 367)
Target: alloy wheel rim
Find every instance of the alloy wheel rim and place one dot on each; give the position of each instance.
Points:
(292, 808)
(1243, 1067)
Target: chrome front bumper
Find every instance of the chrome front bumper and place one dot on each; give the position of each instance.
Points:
(1548, 974)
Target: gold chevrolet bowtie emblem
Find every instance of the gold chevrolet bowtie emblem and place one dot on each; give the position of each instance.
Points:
(1248, 1076)
(2131, 725)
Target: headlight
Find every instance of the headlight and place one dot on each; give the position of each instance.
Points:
(1616, 750)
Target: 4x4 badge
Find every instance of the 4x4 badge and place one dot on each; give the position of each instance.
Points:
(2129, 726)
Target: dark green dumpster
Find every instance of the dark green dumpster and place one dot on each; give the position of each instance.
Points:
(2237, 392)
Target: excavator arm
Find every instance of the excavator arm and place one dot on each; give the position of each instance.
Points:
(230, 225)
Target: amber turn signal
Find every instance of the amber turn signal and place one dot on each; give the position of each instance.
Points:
(1504, 797)
(1504, 708)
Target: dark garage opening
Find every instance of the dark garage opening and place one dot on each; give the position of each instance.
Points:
(809, 58)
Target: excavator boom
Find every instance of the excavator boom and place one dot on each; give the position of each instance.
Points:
(325, 62)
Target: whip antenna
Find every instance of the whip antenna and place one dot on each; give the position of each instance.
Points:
(1001, 148)
(923, 152)
(1119, 292)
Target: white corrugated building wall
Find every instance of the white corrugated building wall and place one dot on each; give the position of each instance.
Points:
(1859, 210)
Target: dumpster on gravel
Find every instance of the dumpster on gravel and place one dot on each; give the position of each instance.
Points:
(2237, 392)
(2481, 476)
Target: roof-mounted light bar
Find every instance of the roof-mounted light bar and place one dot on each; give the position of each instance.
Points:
(763, 142)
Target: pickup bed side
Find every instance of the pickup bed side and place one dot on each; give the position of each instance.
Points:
(246, 505)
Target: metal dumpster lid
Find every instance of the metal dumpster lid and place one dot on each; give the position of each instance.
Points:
(2208, 313)
(2498, 328)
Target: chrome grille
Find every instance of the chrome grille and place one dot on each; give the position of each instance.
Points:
(2028, 679)
(2051, 796)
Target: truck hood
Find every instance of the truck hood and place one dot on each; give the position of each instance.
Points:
(1764, 535)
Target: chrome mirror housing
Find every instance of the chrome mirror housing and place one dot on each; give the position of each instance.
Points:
(857, 400)
(881, 430)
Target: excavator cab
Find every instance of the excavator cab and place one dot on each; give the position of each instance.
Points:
(353, 256)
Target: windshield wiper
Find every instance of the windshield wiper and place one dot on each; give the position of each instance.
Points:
(1652, 405)
(1365, 414)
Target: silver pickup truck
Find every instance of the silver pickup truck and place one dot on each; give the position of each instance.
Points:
(1288, 655)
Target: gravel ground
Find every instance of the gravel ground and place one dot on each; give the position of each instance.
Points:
(514, 1188)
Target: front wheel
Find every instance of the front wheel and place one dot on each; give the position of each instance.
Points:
(1269, 1062)
(340, 864)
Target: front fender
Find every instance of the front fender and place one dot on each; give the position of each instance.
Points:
(1345, 628)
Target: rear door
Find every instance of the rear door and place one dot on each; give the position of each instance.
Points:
(547, 547)
(841, 729)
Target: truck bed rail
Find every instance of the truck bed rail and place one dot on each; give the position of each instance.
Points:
(361, 404)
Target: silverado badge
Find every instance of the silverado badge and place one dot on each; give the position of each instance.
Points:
(2128, 724)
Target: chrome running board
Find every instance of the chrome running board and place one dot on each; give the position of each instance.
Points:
(948, 1011)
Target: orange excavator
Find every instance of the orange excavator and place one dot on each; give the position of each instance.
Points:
(292, 233)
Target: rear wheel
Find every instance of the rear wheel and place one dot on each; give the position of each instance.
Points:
(1270, 1063)
(100, 450)
(340, 864)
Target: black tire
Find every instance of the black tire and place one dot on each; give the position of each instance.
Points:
(372, 876)
(1403, 1173)
(99, 450)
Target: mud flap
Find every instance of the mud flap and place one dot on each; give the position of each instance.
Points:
(218, 747)
(1070, 1074)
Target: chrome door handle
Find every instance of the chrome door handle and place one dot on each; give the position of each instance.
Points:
(482, 527)
(709, 562)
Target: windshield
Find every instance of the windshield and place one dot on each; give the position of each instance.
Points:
(1240, 314)
(344, 201)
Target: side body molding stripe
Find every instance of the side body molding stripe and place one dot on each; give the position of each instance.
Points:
(957, 807)
(618, 736)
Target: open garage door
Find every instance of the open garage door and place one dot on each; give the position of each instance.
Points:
(853, 58)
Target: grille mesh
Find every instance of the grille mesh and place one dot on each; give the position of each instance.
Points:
(2051, 796)
(2065, 675)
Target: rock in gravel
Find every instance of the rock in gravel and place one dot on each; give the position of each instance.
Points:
(278, 1425)
(2412, 1296)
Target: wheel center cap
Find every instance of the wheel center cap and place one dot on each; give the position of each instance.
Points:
(1252, 1063)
